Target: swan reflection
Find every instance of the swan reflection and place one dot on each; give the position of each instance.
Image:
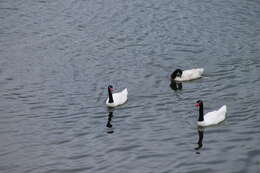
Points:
(200, 134)
(109, 125)
(176, 85)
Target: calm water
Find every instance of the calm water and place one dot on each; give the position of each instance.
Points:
(58, 57)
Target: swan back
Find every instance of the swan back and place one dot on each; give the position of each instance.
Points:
(119, 98)
(214, 117)
(190, 74)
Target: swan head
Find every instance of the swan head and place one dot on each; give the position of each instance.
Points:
(199, 103)
(176, 73)
(110, 88)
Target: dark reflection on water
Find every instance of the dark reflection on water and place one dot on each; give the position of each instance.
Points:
(110, 115)
(176, 85)
(109, 119)
(200, 131)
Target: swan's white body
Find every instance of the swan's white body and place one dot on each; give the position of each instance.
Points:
(119, 98)
(214, 117)
(190, 74)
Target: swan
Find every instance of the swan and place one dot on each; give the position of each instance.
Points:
(211, 118)
(116, 99)
(185, 75)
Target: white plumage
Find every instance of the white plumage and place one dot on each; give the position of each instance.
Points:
(214, 117)
(118, 98)
(190, 74)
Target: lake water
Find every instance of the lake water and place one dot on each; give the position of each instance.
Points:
(58, 57)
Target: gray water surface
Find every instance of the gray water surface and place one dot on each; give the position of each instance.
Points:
(58, 57)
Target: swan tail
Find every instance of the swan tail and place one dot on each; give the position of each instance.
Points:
(201, 70)
(125, 92)
(223, 109)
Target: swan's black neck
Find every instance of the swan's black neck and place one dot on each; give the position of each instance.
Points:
(176, 73)
(201, 114)
(110, 97)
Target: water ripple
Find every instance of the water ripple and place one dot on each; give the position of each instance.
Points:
(58, 57)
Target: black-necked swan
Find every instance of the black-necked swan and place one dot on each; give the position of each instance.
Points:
(116, 99)
(211, 118)
(185, 75)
